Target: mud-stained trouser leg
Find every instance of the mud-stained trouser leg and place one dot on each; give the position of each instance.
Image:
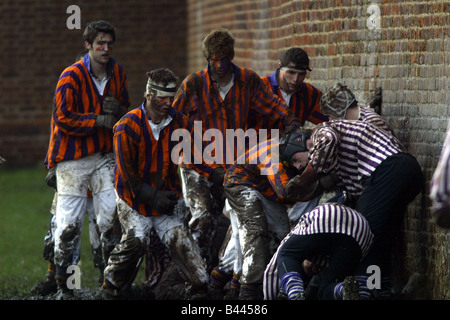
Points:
(125, 259)
(253, 232)
(182, 247)
(74, 178)
(94, 236)
(104, 202)
(256, 217)
(70, 212)
(231, 261)
(203, 220)
(49, 239)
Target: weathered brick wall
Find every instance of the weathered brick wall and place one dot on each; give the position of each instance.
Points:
(407, 55)
(36, 46)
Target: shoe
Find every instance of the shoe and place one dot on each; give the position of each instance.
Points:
(350, 289)
(250, 292)
(64, 294)
(45, 287)
(215, 293)
(109, 292)
(218, 278)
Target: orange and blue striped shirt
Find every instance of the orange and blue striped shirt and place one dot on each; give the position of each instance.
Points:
(77, 103)
(304, 103)
(199, 98)
(140, 158)
(262, 170)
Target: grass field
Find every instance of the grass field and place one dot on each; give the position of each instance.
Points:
(25, 202)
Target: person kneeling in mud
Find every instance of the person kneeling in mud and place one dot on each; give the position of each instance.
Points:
(149, 190)
(332, 236)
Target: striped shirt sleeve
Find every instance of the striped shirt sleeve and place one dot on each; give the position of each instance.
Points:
(262, 171)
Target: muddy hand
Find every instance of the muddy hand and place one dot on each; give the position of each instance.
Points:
(165, 201)
(111, 105)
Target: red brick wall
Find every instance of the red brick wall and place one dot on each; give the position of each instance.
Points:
(36, 46)
(408, 56)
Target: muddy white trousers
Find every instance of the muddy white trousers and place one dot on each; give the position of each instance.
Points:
(74, 177)
(94, 237)
(261, 224)
(126, 257)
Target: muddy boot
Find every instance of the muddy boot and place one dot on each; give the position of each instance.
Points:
(250, 292)
(63, 293)
(199, 292)
(108, 292)
(101, 276)
(48, 285)
(217, 281)
(235, 288)
(350, 289)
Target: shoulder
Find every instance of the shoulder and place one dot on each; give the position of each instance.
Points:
(74, 70)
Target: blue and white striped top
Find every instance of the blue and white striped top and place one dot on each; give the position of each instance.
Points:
(352, 149)
(366, 114)
(325, 218)
(336, 218)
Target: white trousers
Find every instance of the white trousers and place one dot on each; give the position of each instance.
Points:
(74, 178)
(126, 257)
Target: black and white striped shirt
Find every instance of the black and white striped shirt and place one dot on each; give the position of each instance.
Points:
(352, 149)
(325, 218)
(366, 114)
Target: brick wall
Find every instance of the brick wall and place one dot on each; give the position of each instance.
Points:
(36, 46)
(408, 56)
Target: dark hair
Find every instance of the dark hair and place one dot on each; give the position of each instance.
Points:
(295, 55)
(218, 42)
(95, 27)
(162, 76)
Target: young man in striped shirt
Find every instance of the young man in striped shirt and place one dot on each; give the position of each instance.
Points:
(371, 165)
(149, 190)
(91, 95)
(287, 82)
(223, 96)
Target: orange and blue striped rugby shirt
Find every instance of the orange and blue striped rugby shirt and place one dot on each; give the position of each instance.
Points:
(304, 103)
(199, 98)
(140, 158)
(249, 172)
(77, 103)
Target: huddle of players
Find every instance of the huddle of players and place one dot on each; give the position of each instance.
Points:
(121, 164)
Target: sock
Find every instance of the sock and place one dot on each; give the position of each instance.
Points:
(235, 284)
(218, 278)
(51, 271)
(292, 285)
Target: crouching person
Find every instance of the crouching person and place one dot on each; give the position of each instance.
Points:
(149, 190)
(332, 236)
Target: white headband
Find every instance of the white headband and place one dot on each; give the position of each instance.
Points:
(160, 91)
